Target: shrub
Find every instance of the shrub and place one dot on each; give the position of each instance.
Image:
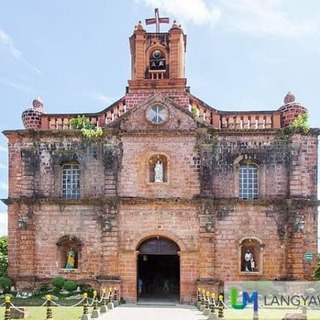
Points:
(5, 282)
(41, 289)
(58, 282)
(84, 287)
(70, 285)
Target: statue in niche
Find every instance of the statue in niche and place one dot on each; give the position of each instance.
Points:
(71, 257)
(249, 264)
(158, 172)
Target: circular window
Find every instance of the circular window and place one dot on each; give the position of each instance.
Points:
(157, 114)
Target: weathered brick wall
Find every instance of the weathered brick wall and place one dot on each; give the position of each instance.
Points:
(303, 166)
(183, 178)
(35, 167)
(287, 166)
(283, 247)
(176, 220)
(115, 184)
(21, 243)
(139, 97)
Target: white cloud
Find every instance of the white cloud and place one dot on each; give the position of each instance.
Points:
(99, 97)
(195, 11)
(7, 42)
(266, 17)
(256, 17)
(17, 86)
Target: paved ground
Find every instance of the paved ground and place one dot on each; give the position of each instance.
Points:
(153, 312)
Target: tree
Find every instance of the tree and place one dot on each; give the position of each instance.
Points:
(3, 256)
(316, 274)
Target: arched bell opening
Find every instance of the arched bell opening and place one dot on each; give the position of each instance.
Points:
(158, 270)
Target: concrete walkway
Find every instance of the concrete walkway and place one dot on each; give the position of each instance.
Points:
(153, 312)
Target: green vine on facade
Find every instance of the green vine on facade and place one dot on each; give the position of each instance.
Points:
(300, 124)
(195, 111)
(83, 124)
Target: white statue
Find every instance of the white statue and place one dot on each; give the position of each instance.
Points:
(248, 261)
(158, 172)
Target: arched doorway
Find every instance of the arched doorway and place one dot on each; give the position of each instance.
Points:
(158, 270)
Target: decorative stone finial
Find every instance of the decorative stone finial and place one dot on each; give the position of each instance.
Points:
(290, 110)
(140, 26)
(174, 24)
(37, 104)
(31, 118)
(289, 98)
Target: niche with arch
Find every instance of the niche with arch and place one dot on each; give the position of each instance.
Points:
(250, 255)
(158, 169)
(157, 68)
(69, 248)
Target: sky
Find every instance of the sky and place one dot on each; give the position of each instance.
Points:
(75, 56)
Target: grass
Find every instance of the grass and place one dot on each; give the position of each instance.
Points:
(75, 313)
(40, 313)
(266, 314)
(36, 311)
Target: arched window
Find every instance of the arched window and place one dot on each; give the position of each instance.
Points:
(157, 60)
(71, 181)
(157, 65)
(158, 169)
(248, 181)
(250, 255)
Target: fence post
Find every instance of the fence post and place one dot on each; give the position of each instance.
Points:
(95, 311)
(110, 303)
(49, 309)
(206, 309)
(212, 307)
(198, 298)
(85, 315)
(115, 297)
(7, 313)
(202, 300)
(103, 308)
(220, 306)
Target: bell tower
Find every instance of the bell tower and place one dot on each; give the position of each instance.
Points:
(157, 58)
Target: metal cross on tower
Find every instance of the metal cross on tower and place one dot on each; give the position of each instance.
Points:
(157, 20)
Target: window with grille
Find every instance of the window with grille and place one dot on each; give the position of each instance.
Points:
(71, 181)
(248, 181)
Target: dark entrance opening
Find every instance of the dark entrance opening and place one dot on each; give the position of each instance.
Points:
(158, 270)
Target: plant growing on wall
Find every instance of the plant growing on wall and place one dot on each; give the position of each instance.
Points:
(300, 124)
(85, 126)
(195, 111)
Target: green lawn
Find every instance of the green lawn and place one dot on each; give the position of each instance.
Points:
(75, 313)
(40, 313)
(267, 314)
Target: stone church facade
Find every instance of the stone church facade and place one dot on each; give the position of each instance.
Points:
(170, 197)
